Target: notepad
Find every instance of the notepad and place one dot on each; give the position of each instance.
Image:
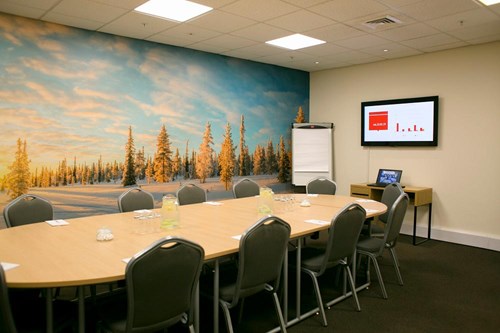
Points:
(365, 200)
(56, 223)
(319, 222)
(213, 203)
(7, 265)
(237, 237)
(371, 210)
(126, 260)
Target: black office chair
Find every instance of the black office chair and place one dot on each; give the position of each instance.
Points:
(245, 188)
(389, 195)
(161, 284)
(373, 247)
(190, 194)
(321, 185)
(262, 251)
(7, 324)
(339, 251)
(26, 209)
(134, 199)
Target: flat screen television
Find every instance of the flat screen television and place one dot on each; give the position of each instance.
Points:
(400, 122)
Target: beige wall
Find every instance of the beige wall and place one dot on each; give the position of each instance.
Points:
(464, 170)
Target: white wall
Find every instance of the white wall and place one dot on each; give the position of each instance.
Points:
(464, 170)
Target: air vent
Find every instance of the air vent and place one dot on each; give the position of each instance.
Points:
(382, 21)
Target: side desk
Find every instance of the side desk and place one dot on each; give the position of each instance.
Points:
(419, 196)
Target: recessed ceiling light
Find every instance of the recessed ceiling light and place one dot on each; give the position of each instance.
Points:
(490, 2)
(175, 10)
(295, 42)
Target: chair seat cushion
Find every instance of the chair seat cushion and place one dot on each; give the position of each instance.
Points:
(370, 244)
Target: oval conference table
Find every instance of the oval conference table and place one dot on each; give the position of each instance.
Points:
(69, 255)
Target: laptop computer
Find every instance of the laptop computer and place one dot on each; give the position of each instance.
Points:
(386, 177)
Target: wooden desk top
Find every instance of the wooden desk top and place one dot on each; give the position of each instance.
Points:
(70, 255)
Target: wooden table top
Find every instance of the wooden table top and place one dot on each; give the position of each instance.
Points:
(70, 255)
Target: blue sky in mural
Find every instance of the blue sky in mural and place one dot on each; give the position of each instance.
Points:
(72, 92)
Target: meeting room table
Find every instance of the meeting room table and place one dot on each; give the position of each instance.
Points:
(68, 252)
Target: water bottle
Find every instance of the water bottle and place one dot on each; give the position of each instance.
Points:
(169, 212)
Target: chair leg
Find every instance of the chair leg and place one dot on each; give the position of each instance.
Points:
(379, 276)
(227, 315)
(353, 287)
(396, 265)
(318, 297)
(279, 312)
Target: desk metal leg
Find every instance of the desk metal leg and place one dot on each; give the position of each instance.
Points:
(197, 309)
(49, 311)
(415, 226)
(81, 309)
(216, 296)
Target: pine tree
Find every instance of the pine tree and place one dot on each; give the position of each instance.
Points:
(300, 116)
(227, 158)
(186, 161)
(163, 157)
(243, 157)
(149, 170)
(204, 166)
(271, 164)
(18, 179)
(257, 160)
(140, 164)
(129, 169)
(283, 163)
(176, 163)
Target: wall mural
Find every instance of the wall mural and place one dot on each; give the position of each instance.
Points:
(86, 113)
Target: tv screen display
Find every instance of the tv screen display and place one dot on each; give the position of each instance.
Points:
(400, 122)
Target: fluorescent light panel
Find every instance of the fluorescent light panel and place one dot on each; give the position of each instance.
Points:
(490, 2)
(175, 10)
(295, 42)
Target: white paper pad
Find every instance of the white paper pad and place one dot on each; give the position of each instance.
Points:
(56, 223)
(371, 210)
(126, 260)
(237, 237)
(213, 203)
(319, 222)
(142, 211)
(7, 265)
(312, 195)
(365, 200)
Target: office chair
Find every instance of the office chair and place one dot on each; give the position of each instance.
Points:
(262, 251)
(389, 195)
(134, 199)
(245, 188)
(190, 194)
(161, 283)
(340, 250)
(26, 209)
(373, 247)
(321, 185)
(6, 320)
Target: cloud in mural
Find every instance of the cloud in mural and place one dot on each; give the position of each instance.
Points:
(74, 92)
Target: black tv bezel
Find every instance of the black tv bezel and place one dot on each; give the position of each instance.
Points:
(433, 143)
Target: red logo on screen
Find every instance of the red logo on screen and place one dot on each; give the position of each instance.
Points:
(378, 121)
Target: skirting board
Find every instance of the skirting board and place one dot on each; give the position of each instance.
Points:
(484, 242)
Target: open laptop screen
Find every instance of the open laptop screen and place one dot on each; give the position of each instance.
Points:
(387, 176)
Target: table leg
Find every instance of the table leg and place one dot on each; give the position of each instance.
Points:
(216, 296)
(49, 311)
(415, 226)
(81, 309)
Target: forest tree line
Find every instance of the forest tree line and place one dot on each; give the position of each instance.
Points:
(167, 164)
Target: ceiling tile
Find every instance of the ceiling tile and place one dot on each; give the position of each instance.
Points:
(258, 50)
(335, 32)
(221, 21)
(464, 19)
(424, 43)
(345, 10)
(88, 10)
(360, 42)
(72, 21)
(137, 25)
(408, 32)
(187, 32)
(16, 9)
(260, 10)
(300, 21)
(261, 32)
(431, 9)
(477, 31)
(229, 42)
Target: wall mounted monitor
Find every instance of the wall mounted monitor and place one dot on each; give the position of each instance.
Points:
(400, 122)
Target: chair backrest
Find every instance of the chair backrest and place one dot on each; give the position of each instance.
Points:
(321, 185)
(161, 284)
(343, 235)
(26, 209)
(245, 188)
(134, 199)
(261, 254)
(6, 320)
(191, 194)
(389, 196)
(395, 220)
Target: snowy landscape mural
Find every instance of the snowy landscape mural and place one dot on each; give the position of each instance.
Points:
(92, 112)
